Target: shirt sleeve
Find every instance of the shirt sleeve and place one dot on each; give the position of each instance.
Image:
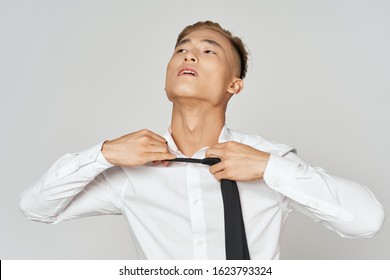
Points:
(73, 187)
(341, 205)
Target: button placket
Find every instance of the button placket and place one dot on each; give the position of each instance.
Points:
(198, 222)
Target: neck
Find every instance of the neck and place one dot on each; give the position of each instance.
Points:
(196, 127)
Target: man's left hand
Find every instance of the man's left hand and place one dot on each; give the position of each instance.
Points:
(239, 162)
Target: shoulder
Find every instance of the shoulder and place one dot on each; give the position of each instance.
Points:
(258, 142)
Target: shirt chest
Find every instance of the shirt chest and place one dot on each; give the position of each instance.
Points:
(182, 188)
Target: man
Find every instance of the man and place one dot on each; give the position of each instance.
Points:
(174, 209)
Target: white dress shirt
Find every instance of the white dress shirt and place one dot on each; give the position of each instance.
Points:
(176, 212)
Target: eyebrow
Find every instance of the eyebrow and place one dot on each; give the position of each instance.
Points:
(209, 41)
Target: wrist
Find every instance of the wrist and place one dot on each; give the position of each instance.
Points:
(262, 163)
(105, 150)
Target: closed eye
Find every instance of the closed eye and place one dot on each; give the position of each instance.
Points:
(209, 52)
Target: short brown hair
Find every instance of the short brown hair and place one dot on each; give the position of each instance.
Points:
(236, 42)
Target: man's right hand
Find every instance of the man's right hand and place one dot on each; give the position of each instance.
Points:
(137, 148)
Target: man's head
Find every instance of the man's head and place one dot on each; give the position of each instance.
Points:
(208, 64)
(237, 44)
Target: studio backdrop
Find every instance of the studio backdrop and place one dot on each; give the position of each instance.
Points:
(74, 73)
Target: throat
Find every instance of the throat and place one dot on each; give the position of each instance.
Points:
(191, 132)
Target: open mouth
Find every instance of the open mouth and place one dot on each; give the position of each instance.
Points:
(188, 72)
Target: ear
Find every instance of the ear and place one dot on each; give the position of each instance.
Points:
(236, 86)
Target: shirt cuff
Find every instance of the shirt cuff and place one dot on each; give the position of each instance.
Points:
(91, 161)
(278, 170)
(102, 160)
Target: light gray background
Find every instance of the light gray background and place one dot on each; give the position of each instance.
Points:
(73, 73)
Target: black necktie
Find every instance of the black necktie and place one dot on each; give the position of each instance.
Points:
(235, 239)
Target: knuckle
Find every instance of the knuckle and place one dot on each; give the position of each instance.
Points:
(229, 144)
(144, 131)
(143, 140)
(231, 147)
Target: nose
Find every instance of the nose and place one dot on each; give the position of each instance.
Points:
(190, 56)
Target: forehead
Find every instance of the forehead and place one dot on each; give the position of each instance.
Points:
(208, 34)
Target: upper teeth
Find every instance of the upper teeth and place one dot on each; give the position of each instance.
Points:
(188, 72)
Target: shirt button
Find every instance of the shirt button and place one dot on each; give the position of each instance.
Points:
(276, 185)
(200, 242)
(195, 201)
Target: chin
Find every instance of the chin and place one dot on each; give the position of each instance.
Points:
(180, 91)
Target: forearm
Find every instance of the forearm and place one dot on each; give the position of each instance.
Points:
(342, 205)
(56, 188)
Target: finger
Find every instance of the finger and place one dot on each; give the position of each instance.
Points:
(150, 139)
(153, 135)
(219, 145)
(158, 156)
(220, 175)
(166, 163)
(153, 148)
(214, 152)
(158, 162)
(217, 168)
(226, 174)
(161, 162)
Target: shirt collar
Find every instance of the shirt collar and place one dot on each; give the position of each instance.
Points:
(224, 136)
